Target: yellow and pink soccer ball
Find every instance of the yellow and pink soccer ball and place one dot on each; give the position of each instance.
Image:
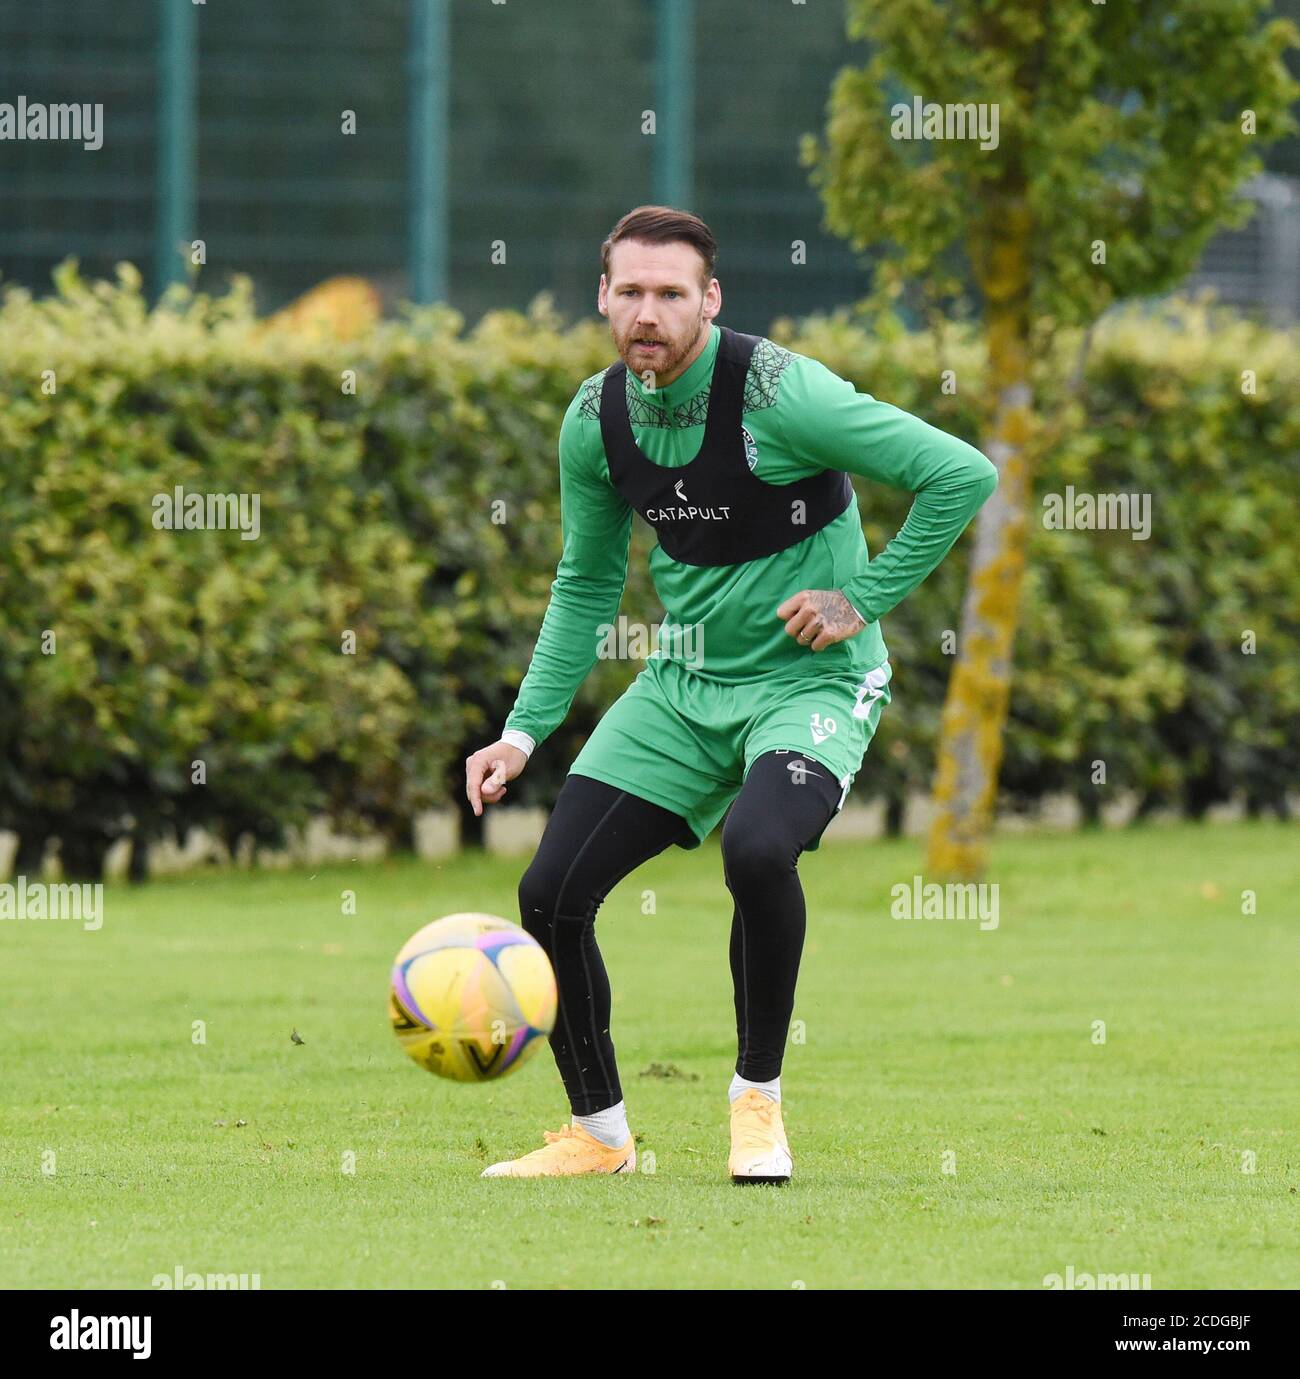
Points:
(472, 996)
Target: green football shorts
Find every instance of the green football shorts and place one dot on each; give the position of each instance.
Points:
(686, 743)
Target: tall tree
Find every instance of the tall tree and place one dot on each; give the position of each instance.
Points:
(1068, 155)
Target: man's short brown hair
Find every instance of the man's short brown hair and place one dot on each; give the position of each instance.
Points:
(664, 225)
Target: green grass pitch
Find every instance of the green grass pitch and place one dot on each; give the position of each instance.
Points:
(1169, 1150)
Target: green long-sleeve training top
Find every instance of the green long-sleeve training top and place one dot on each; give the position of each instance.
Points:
(800, 418)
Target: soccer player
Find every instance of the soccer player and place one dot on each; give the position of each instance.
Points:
(770, 674)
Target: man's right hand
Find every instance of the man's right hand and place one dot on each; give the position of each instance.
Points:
(487, 771)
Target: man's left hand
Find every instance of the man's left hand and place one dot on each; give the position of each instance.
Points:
(818, 618)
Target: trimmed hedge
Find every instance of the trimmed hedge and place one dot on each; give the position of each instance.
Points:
(1130, 652)
(420, 513)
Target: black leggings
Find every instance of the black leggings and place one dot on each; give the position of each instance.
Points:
(598, 833)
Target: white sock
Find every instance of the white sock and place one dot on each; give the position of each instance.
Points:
(608, 1126)
(771, 1090)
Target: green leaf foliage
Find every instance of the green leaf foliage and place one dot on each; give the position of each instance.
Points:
(421, 515)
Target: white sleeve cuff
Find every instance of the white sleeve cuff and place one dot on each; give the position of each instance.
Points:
(855, 608)
(519, 739)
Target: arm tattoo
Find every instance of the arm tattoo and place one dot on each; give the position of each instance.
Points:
(835, 613)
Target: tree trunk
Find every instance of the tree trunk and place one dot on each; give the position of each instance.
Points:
(975, 710)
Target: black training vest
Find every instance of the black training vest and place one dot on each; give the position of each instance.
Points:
(715, 510)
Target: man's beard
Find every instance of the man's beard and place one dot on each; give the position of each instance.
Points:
(662, 361)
